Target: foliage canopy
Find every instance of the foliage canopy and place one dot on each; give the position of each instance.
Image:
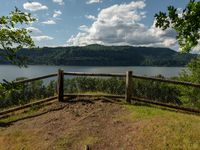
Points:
(12, 38)
(186, 24)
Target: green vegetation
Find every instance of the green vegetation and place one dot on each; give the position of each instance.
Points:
(30, 112)
(138, 126)
(163, 129)
(191, 96)
(98, 55)
(185, 23)
(12, 38)
(13, 95)
(149, 89)
(152, 90)
(68, 141)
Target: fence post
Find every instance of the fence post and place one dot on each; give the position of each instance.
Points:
(60, 85)
(128, 94)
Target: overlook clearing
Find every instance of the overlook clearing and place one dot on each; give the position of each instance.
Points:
(99, 120)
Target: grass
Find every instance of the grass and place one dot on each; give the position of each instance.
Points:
(164, 129)
(30, 112)
(143, 112)
(63, 143)
(18, 139)
(150, 128)
(73, 140)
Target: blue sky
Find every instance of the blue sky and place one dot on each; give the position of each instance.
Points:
(108, 22)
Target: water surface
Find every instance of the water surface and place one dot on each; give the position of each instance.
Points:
(11, 72)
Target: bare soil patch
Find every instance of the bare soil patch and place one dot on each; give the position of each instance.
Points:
(99, 124)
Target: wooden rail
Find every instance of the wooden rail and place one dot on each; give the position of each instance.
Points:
(138, 99)
(144, 100)
(27, 105)
(128, 94)
(94, 95)
(133, 99)
(133, 76)
(34, 79)
(95, 74)
(129, 77)
(167, 81)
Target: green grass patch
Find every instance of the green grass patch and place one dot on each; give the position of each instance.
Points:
(143, 112)
(75, 139)
(13, 117)
(75, 142)
(164, 129)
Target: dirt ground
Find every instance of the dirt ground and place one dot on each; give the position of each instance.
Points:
(101, 125)
(71, 126)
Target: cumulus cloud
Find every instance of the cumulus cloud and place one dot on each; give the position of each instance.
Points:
(121, 25)
(90, 17)
(49, 22)
(34, 6)
(42, 38)
(93, 1)
(196, 49)
(60, 2)
(37, 35)
(83, 28)
(34, 30)
(57, 13)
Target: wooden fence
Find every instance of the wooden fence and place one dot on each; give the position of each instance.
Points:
(128, 88)
(129, 76)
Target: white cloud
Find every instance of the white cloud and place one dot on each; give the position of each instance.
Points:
(83, 28)
(34, 30)
(121, 25)
(57, 13)
(60, 2)
(37, 36)
(93, 1)
(90, 17)
(196, 49)
(49, 22)
(34, 6)
(42, 38)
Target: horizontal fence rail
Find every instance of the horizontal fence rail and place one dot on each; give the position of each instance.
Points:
(167, 81)
(35, 79)
(144, 100)
(133, 76)
(96, 95)
(95, 74)
(111, 75)
(28, 105)
(128, 95)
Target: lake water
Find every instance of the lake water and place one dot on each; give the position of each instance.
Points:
(10, 72)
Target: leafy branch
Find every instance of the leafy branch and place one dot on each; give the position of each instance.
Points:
(13, 39)
(186, 24)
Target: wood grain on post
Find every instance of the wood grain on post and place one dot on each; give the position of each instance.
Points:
(60, 85)
(128, 93)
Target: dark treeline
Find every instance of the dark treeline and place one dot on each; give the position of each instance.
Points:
(98, 55)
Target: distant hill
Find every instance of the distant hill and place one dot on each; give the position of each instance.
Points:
(98, 55)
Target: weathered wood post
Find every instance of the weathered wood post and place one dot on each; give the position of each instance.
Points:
(128, 94)
(60, 85)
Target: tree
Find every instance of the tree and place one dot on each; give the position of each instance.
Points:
(186, 24)
(12, 39)
(191, 95)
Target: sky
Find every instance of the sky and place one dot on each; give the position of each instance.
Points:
(107, 22)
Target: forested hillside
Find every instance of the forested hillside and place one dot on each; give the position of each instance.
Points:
(98, 55)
